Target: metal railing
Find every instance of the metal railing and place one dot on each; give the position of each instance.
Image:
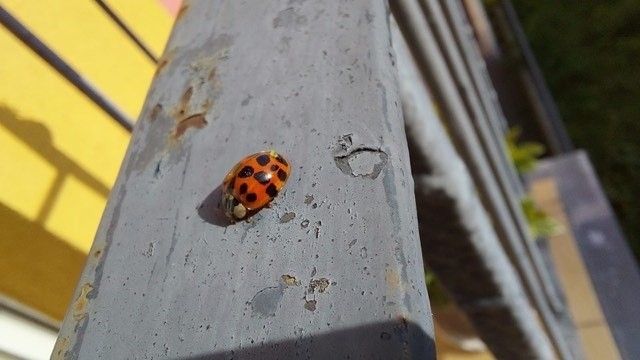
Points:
(340, 89)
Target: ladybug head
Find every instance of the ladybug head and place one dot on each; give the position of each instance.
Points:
(232, 208)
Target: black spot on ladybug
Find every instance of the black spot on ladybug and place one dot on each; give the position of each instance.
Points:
(281, 160)
(245, 172)
(251, 197)
(282, 175)
(263, 160)
(275, 167)
(271, 190)
(243, 188)
(262, 177)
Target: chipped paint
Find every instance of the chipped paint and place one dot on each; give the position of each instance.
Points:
(61, 349)
(362, 161)
(310, 305)
(392, 278)
(321, 285)
(290, 280)
(308, 199)
(287, 217)
(80, 305)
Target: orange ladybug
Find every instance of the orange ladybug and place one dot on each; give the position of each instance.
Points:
(253, 183)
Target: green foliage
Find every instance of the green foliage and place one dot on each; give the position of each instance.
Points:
(588, 51)
(524, 155)
(437, 295)
(540, 224)
(525, 158)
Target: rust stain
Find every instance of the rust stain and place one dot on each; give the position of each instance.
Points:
(161, 65)
(62, 345)
(184, 100)
(183, 9)
(196, 120)
(166, 59)
(392, 278)
(207, 104)
(155, 112)
(212, 73)
(80, 305)
(98, 253)
(180, 111)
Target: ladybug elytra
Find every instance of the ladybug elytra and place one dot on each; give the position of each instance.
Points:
(253, 183)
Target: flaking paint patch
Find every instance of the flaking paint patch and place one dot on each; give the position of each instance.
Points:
(287, 217)
(362, 162)
(359, 161)
(290, 280)
(392, 278)
(80, 305)
(310, 305)
(95, 266)
(320, 285)
(61, 348)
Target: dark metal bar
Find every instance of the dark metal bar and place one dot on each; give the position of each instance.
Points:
(29, 39)
(128, 31)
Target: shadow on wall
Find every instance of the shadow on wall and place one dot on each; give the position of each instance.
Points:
(38, 138)
(37, 268)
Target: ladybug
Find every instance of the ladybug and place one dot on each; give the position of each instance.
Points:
(253, 183)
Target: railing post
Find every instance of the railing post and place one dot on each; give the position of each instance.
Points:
(333, 269)
(461, 245)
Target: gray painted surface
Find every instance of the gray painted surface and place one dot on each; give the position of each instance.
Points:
(459, 242)
(611, 265)
(333, 269)
(429, 55)
(495, 149)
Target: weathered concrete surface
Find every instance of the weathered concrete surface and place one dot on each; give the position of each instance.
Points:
(333, 269)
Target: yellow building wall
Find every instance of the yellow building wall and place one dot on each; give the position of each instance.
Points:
(60, 152)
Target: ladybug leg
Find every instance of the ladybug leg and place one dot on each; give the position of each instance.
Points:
(268, 206)
(249, 219)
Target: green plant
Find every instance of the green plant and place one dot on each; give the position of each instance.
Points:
(437, 294)
(540, 224)
(524, 155)
(525, 158)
